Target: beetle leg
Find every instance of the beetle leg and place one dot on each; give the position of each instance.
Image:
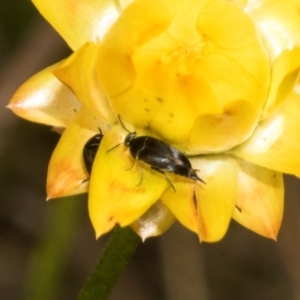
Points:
(130, 167)
(238, 208)
(85, 180)
(195, 200)
(141, 172)
(167, 178)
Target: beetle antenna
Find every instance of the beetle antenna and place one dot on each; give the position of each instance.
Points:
(113, 147)
(123, 124)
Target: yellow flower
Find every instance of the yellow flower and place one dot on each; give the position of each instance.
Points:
(217, 80)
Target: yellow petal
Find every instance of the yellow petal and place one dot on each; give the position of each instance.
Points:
(239, 3)
(279, 23)
(216, 200)
(44, 99)
(139, 22)
(82, 20)
(79, 72)
(206, 208)
(182, 202)
(234, 59)
(121, 190)
(284, 77)
(66, 172)
(155, 221)
(220, 132)
(261, 198)
(175, 119)
(275, 142)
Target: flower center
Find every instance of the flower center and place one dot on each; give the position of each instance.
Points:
(181, 59)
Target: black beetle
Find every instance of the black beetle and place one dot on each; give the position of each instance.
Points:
(159, 155)
(90, 149)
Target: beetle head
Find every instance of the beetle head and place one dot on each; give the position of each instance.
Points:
(130, 136)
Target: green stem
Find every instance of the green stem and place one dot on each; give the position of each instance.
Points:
(48, 260)
(115, 257)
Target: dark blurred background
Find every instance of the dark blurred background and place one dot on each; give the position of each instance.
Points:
(48, 249)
